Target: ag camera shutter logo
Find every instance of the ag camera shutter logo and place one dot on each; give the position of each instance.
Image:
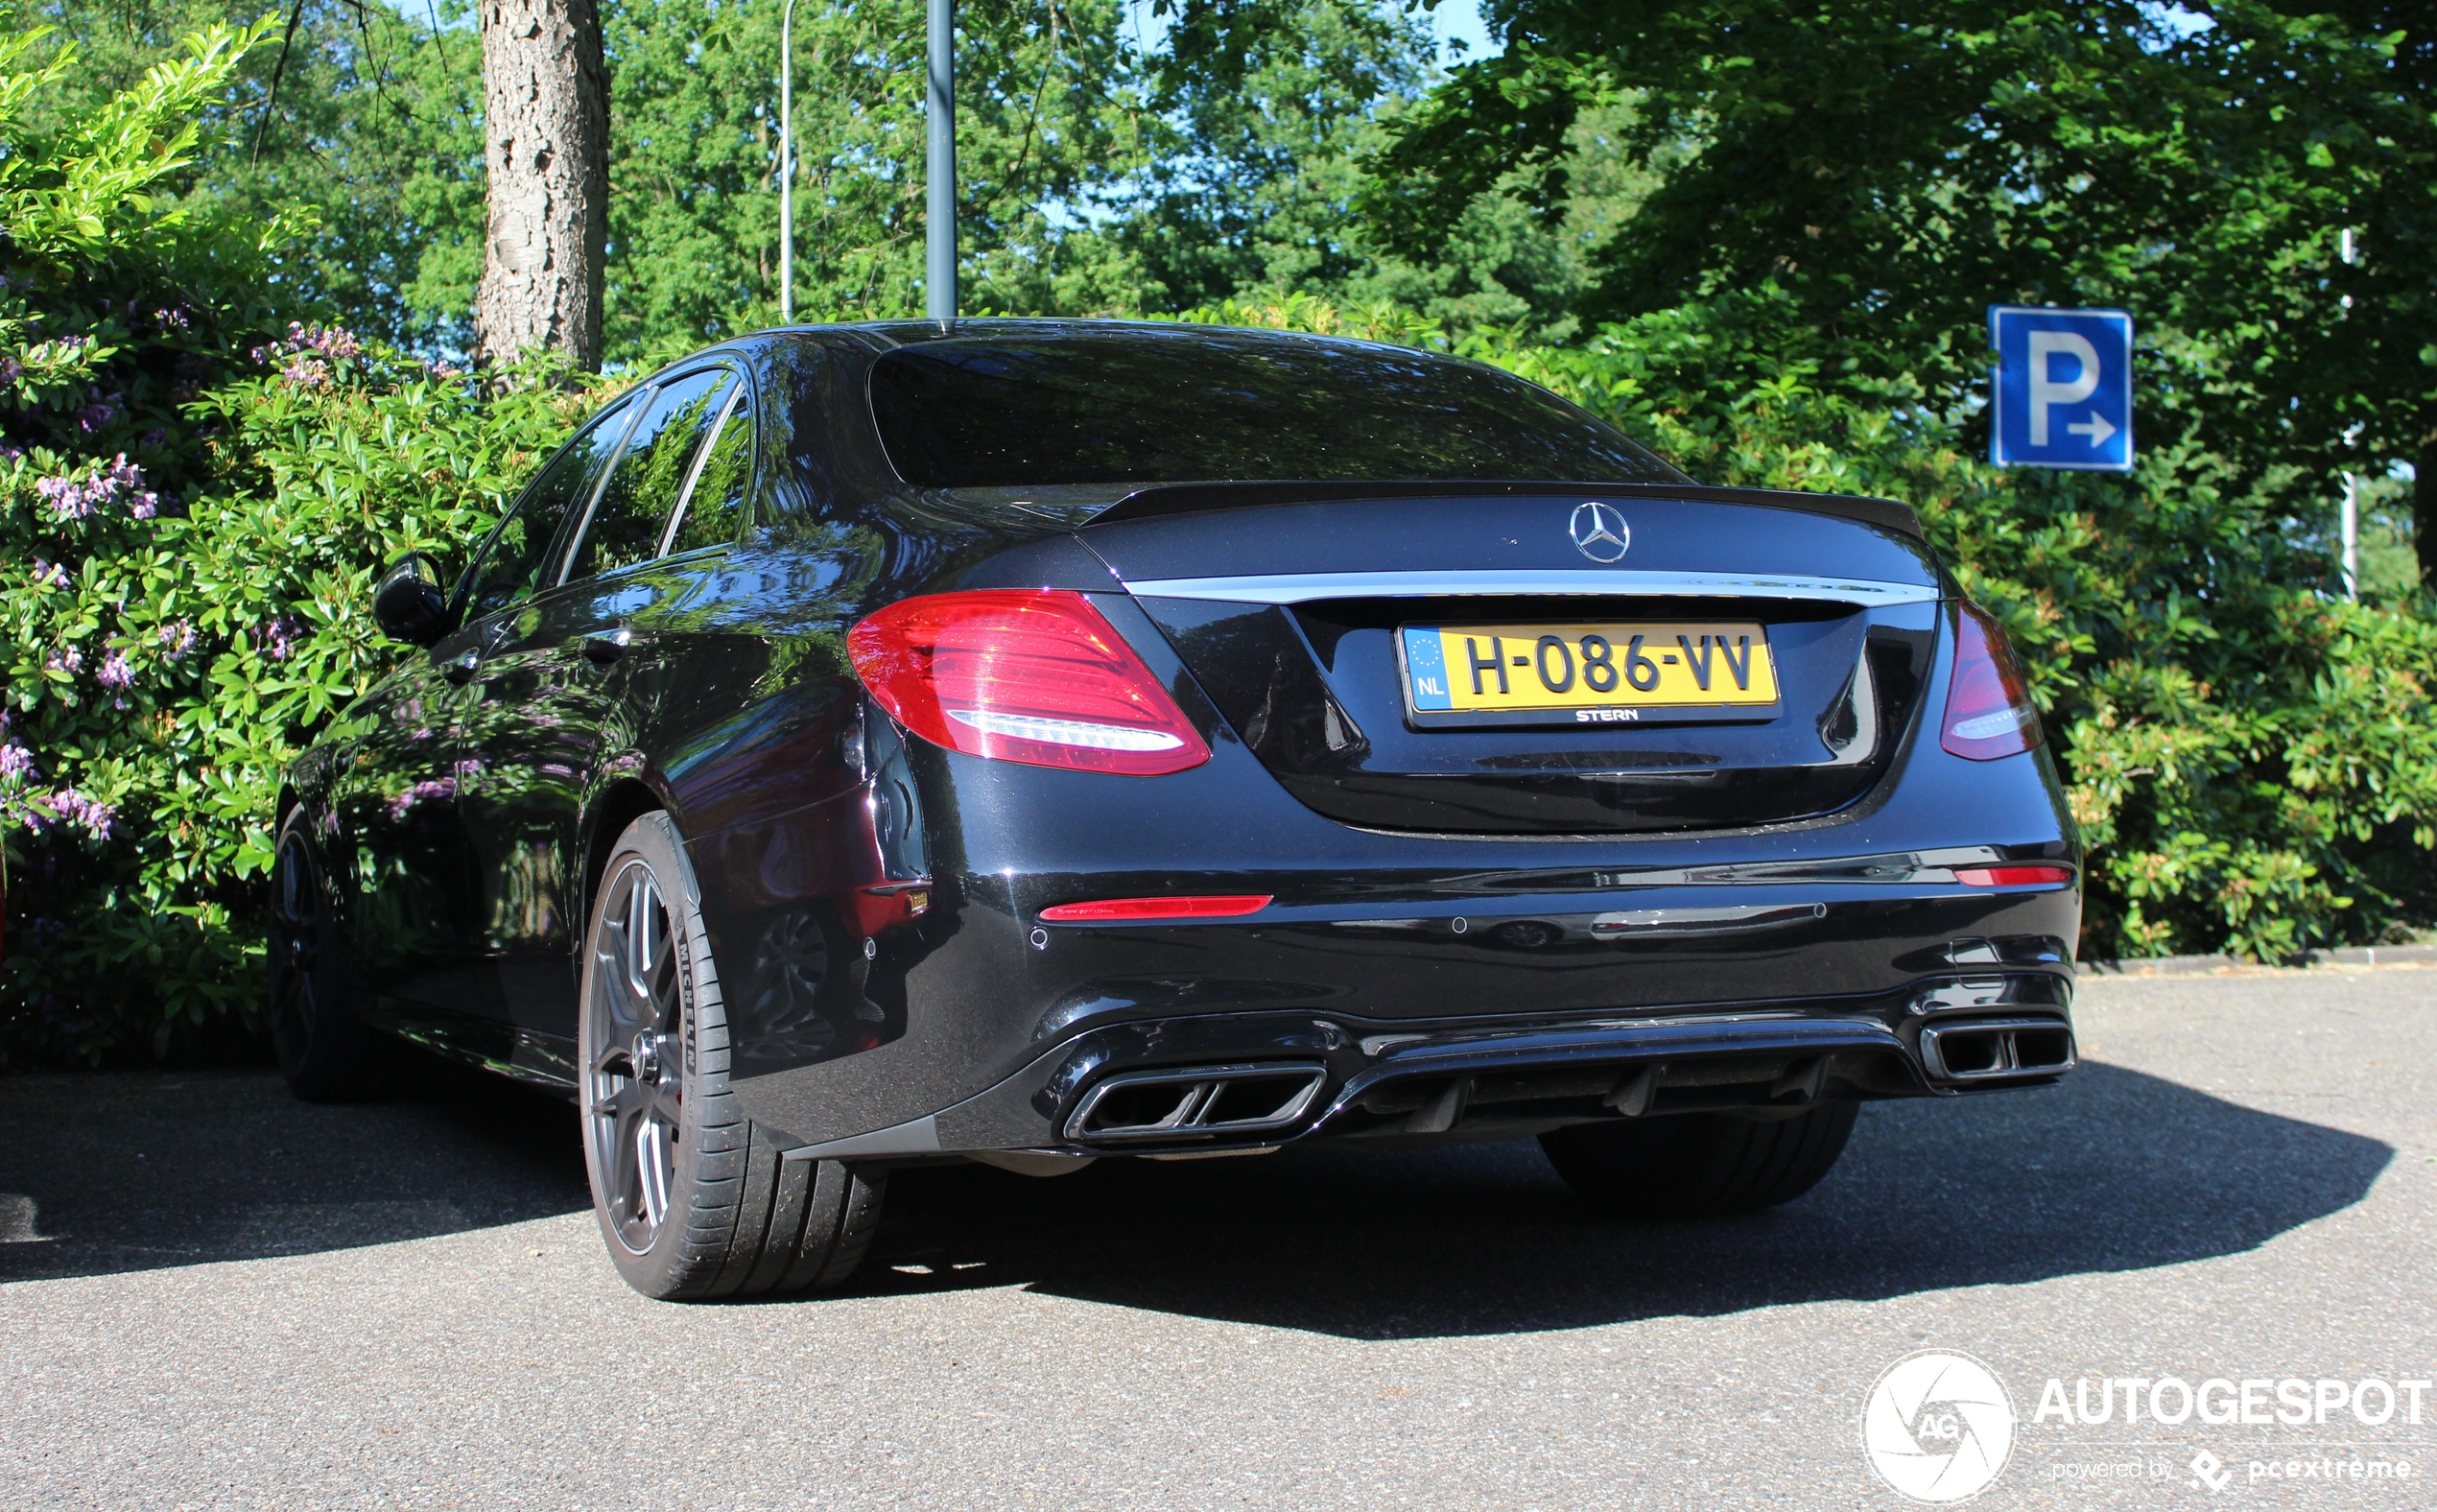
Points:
(1938, 1426)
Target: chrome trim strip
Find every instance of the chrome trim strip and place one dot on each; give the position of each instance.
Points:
(1302, 588)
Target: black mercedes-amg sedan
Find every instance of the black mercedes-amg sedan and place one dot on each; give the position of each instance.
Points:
(1040, 742)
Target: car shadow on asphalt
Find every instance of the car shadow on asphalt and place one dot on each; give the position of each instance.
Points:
(2113, 1171)
(135, 1172)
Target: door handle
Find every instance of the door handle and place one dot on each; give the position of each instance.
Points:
(459, 670)
(603, 647)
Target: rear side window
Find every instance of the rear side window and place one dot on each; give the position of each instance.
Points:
(1197, 405)
(631, 514)
(715, 509)
(515, 560)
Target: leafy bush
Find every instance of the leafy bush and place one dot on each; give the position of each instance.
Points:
(191, 510)
(187, 659)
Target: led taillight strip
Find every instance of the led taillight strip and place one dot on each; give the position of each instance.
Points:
(1118, 910)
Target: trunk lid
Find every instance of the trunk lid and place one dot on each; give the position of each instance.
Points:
(1297, 618)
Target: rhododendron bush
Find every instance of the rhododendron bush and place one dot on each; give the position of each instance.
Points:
(195, 497)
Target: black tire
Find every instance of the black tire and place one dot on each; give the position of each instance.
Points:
(695, 1202)
(324, 1052)
(1699, 1164)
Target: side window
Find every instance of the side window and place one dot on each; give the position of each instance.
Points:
(512, 566)
(631, 512)
(713, 510)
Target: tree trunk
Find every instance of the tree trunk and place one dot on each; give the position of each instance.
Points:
(546, 105)
(2425, 508)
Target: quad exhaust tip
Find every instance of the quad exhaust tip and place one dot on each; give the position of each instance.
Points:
(1195, 1104)
(1989, 1049)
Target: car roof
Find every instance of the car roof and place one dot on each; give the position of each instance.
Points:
(908, 333)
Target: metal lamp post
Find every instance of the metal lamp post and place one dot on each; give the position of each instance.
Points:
(787, 165)
(939, 230)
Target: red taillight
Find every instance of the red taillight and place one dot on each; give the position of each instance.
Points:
(2012, 875)
(1102, 909)
(1029, 676)
(1988, 709)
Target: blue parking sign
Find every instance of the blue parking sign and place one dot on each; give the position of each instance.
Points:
(2063, 389)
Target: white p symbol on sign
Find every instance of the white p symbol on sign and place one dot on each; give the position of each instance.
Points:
(2045, 391)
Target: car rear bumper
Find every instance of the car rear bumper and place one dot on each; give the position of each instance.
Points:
(1303, 1077)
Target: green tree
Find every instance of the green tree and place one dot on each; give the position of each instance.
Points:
(1893, 166)
(369, 116)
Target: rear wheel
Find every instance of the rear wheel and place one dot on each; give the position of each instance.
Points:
(694, 1200)
(1700, 1164)
(325, 1054)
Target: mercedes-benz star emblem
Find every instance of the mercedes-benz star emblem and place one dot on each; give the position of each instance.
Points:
(1599, 533)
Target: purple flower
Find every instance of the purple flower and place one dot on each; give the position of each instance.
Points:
(48, 575)
(65, 496)
(70, 660)
(329, 340)
(115, 672)
(72, 498)
(71, 807)
(311, 349)
(104, 409)
(16, 761)
(11, 369)
(279, 636)
(177, 638)
(171, 318)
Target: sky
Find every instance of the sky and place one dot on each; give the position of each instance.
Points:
(1459, 22)
(1451, 21)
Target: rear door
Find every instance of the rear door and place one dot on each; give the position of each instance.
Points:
(553, 703)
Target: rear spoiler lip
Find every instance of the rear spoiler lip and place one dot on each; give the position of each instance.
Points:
(1159, 499)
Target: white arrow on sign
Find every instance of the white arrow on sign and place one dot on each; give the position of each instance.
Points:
(2096, 428)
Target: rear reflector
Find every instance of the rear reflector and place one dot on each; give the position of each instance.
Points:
(1102, 909)
(2012, 875)
(1988, 709)
(1037, 677)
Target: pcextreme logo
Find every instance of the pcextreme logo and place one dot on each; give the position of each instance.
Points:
(1938, 1426)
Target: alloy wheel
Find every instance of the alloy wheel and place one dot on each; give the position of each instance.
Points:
(634, 1055)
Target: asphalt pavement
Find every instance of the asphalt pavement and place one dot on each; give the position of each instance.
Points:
(214, 1297)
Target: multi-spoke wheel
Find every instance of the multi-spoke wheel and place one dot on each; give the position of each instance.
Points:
(325, 1055)
(634, 1046)
(694, 1200)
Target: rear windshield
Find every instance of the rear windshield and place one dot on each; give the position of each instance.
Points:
(1197, 405)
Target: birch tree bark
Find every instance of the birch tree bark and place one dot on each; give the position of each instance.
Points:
(546, 105)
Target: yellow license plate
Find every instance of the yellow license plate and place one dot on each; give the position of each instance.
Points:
(1584, 673)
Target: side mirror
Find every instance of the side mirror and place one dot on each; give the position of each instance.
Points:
(409, 603)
